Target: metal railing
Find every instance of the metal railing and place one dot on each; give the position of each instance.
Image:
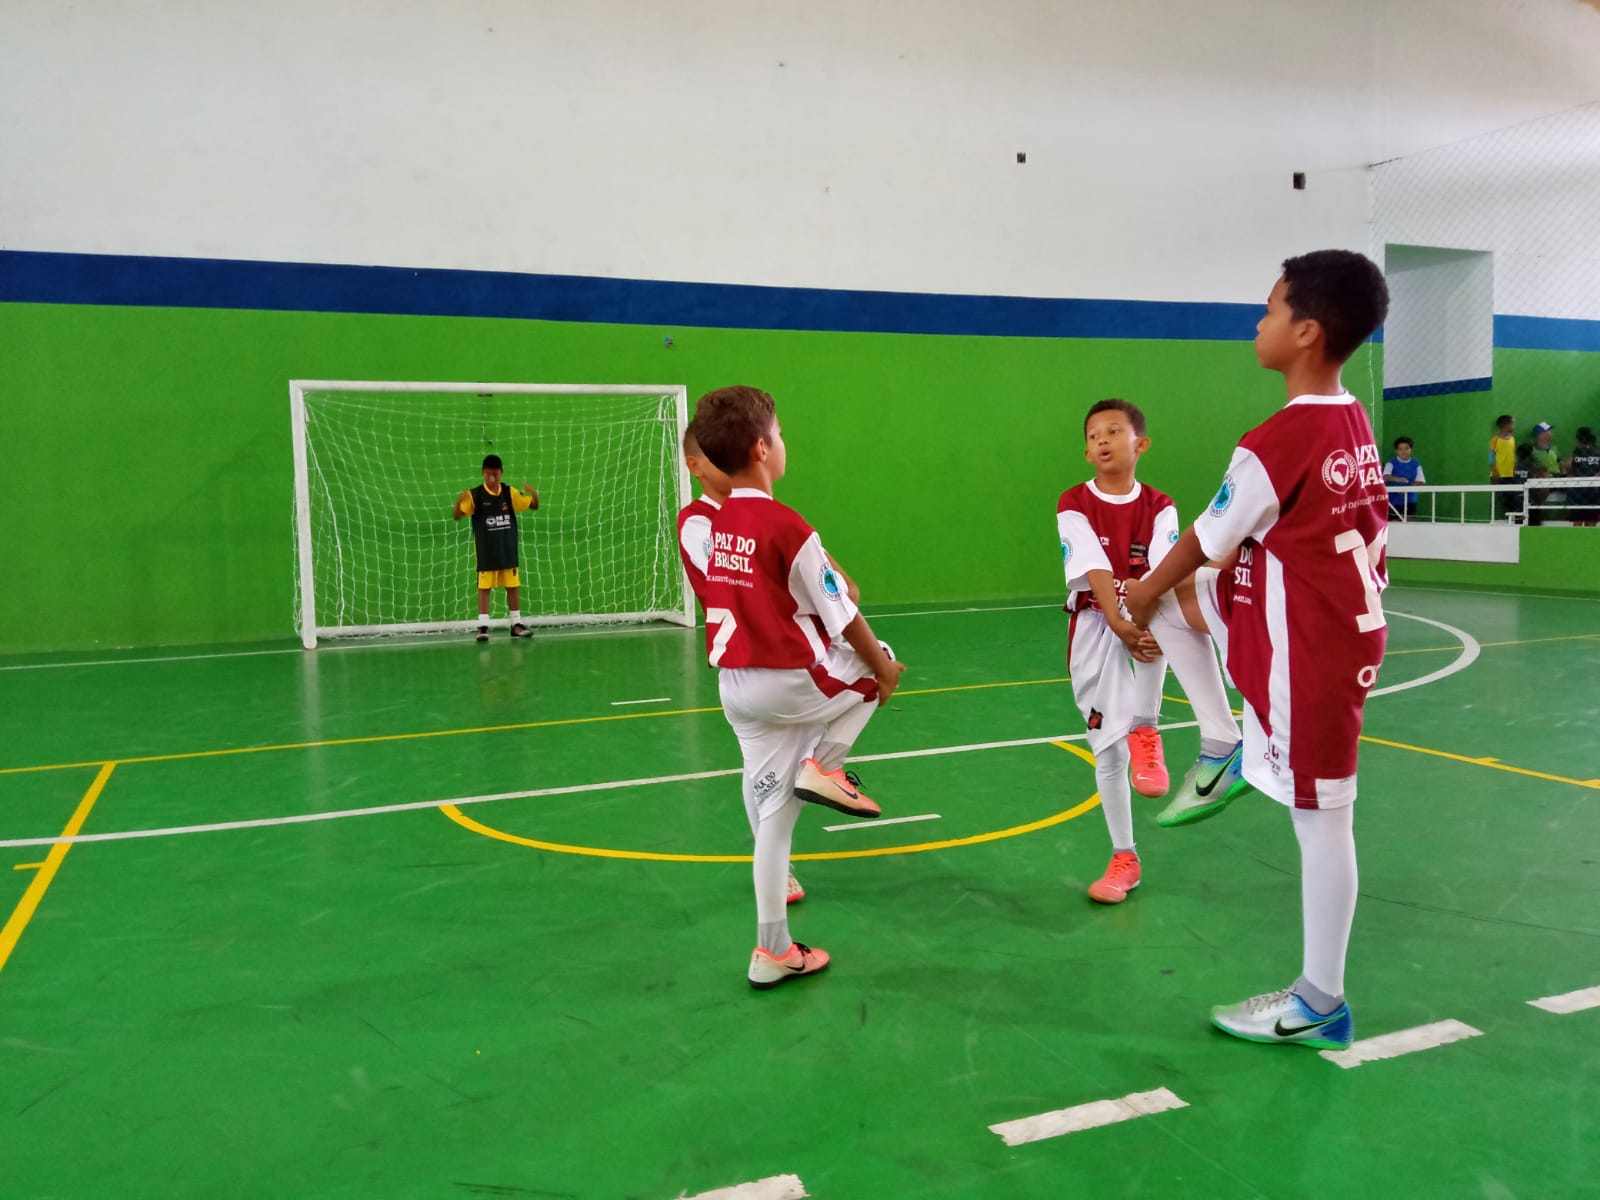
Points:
(1532, 502)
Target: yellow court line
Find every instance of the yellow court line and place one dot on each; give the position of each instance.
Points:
(1060, 818)
(24, 911)
(437, 733)
(27, 866)
(1492, 763)
(1569, 637)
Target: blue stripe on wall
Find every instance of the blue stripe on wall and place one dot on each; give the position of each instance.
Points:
(51, 278)
(1447, 387)
(1545, 333)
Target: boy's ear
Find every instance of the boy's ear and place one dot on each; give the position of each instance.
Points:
(1140, 446)
(1307, 332)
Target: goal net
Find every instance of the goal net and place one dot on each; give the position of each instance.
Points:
(378, 466)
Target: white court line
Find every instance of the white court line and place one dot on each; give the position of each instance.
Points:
(1404, 1041)
(1086, 1116)
(652, 700)
(777, 1187)
(1468, 654)
(1569, 1002)
(419, 805)
(1470, 649)
(880, 822)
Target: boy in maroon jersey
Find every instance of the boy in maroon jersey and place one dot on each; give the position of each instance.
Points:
(800, 669)
(1114, 528)
(1300, 524)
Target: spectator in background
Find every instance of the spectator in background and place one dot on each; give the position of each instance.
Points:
(1503, 465)
(1546, 465)
(1403, 469)
(1584, 463)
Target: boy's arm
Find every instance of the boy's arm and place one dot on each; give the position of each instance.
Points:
(463, 506)
(1183, 560)
(865, 643)
(850, 588)
(1103, 586)
(532, 495)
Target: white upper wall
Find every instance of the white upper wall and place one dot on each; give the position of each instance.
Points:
(833, 144)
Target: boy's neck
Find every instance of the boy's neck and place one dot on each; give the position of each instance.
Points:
(1313, 376)
(713, 495)
(1115, 483)
(754, 476)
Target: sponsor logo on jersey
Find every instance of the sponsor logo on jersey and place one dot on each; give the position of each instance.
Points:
(1066, 550)
(1095, 719)
(1339, 470)
(1224, 496)
(1172, 538)
(830, 584)
(1138, 559)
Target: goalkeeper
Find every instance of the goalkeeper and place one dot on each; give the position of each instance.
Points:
(493, 509)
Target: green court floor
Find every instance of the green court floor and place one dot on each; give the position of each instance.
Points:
(423, 918)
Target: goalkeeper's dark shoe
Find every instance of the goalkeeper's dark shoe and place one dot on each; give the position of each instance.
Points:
(483, 633)
(521, 630)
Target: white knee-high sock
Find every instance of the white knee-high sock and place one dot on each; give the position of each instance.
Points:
(1328, 885)
(1116, 798)
(841, 734)
(774, 835)
(1194, 661)
(1147, 680)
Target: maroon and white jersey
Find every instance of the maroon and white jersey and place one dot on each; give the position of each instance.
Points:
(694, 541)
(1304, 503)
(772, 597)
(1126, 535)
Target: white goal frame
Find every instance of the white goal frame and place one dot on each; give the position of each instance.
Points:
(310, 629)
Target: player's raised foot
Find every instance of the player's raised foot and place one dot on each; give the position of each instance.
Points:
(1148, 764)
(1121, 877)
(836, 789)
(483, 634)
(519, 630)
(796, 892)
(1283, 1017)
(767, 971)
(1210, 786)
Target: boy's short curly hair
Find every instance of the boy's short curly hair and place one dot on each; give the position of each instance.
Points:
(729, 422)
(1342, 291)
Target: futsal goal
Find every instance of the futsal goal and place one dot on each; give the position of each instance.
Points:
(378, 466)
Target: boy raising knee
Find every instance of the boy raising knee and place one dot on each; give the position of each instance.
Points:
(1300, 526)
(797, 703)
(1113, 528)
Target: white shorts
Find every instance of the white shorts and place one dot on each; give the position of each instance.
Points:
(780, 717)
(1266, 756)
(1102, 679)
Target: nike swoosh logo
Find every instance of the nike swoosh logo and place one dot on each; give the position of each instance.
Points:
(1215, 779)
(1278, 1028)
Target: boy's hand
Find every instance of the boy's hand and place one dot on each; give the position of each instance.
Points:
(887, 682)
(1140, 607)
(1138, 641)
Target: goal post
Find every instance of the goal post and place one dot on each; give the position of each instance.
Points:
(379, 464)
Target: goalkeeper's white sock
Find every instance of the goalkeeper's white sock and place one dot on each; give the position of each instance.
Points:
(516, 616)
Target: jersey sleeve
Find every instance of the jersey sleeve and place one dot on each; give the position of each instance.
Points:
(1165, 535)
(520, 501)
(1245, 506)
(1080, 549)
(467, 506)
(694, 536)
(817, 588)
(1419, 477)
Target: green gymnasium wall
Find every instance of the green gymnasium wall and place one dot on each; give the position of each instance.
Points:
(151, 476)
(151, 491)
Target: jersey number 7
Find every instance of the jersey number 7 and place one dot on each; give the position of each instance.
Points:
(723, 620)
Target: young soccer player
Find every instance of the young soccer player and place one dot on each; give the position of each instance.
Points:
(1300, 523)
(1503, 466)
(694, 547)
(797, 704)
(493, 509)
(1114, 528)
